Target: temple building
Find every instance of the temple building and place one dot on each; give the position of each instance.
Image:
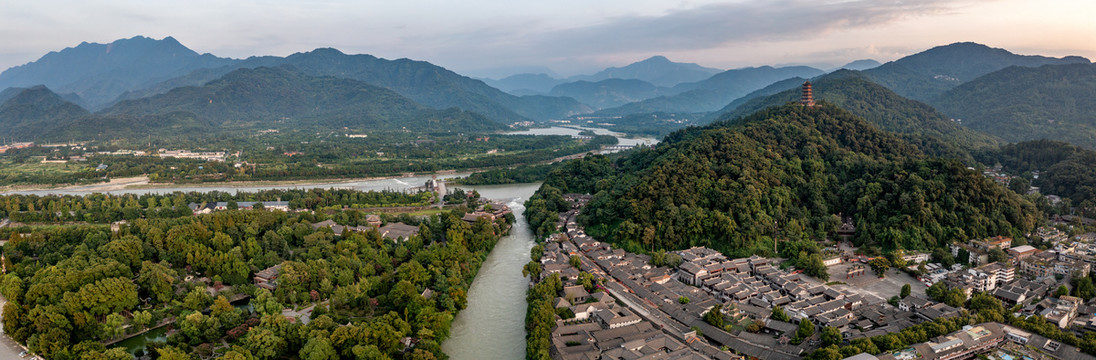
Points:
(808, 97)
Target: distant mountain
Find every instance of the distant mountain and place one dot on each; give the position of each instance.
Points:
(927, 74)
(715, 92)
(610, 92)
(917, 122)
(285, 96)
(30, 112)
(9, 93)
(774, 88)
(421, 81)
(657, 70)
(1056, 102)
(98, 73)
(862, 64)
(521, 84)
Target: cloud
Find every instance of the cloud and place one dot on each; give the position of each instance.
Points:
(719, 24)
(705, 27)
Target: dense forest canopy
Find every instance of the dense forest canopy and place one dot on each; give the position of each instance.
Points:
(786, 171)
(1055, 102)
(69, 288)
(1063, 169)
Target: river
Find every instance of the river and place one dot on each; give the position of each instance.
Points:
(493, 325)
(575, 130)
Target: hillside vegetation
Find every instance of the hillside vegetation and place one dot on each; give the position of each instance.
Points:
(1055, 102)
(786, 171)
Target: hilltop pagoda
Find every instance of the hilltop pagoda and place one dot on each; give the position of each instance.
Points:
(807, 99)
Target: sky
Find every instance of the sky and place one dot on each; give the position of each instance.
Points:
(495, 38)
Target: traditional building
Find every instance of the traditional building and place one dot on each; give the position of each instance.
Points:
(807, 99)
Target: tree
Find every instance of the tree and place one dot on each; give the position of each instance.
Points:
(714, 317)
(264, 344)
(880, 265)
(955, 297)
(156, 281)
(897, 258)
(831, 336)
(997, 255)
(937, 291)
(1084, 288)
(683, 299)
(318, 348)
(779, 314)
(755, 326)
(141, 319)
(116, 354)
(112, 327)
(814, 265)
(198, 328)
(575, 261)
(942, 256)
(906, 289)
(805, 330)
(172, 353)
(197, 299)
(1062, 291)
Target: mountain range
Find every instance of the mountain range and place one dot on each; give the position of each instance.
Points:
(103, 74)
(927, 74)
(245, 99)
(715, 92)
(98, 73)
(656, 70)
(144, 84)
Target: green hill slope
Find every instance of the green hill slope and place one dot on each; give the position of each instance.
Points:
(1055, 102)
(925, 75)
(28, 113)
(787, 171)
(917, 122)
(285, 96)
(423, 82)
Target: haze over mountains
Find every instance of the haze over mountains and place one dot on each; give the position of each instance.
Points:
(142, 84)
(98, 73)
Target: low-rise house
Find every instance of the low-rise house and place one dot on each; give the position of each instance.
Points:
(1022, 251)
(397, 231)
(617, 318)
(575, 294)
(1063, 313)
(267, 278)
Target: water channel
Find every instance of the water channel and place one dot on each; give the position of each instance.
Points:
(493, 325)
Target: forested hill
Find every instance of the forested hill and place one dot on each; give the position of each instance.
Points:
(789, 168)
(285, 96)
(915, 121)
(925, 75)
(423, 82)
(27, 113)
(1055, 102)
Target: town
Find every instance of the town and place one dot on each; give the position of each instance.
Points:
(697, 303)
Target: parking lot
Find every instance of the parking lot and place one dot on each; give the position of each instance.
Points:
(868, 283)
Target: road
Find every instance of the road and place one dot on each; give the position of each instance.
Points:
(9, 349)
